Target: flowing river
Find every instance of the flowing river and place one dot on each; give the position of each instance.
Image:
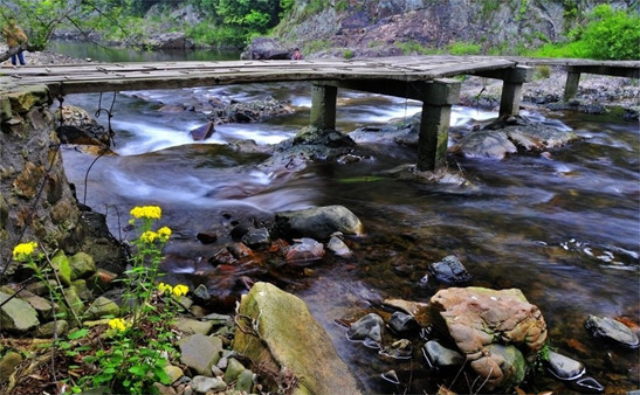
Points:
(565, 229)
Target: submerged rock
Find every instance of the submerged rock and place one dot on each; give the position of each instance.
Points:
(503, 137)
(368, 329)
(450, 271)
(564, 368)
(606, 328)
(439, 357)
(318, 223)
(202, 132)
(304, 252)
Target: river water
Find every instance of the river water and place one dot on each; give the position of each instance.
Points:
(564, 230)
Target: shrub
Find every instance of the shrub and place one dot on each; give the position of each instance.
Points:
(612, 34)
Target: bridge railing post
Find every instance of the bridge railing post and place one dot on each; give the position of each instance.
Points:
(440, 95)
(571, 85)
(512, 89)
(323, 106)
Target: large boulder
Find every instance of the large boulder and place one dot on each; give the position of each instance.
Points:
(266, 48)
(318, 222)
(278, 333)
(174, 40)
(503, 137)
(480, 319)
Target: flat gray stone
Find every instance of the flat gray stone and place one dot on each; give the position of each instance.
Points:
(200, 352)
(202, 384)
(17, 315)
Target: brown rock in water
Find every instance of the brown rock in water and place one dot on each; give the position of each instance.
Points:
(476, 318)
(203, 132)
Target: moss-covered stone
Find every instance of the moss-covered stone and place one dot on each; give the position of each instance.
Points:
(60, 264)
(290, 340)
(82, 265)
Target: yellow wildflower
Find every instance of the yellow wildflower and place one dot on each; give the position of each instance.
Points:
(148, 236)
(22, 252)
(180, 290)
(164, 233)
(118, 324)
(165, 288)
(148, 212)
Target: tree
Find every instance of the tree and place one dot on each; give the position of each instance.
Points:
(249, 16)
(40, 18)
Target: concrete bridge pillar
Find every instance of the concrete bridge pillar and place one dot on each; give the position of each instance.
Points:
(571, 86)
(512, 89)
(323, 106)
(438, 98)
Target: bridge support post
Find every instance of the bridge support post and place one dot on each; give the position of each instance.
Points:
(512, 89)
(440, 95)
(571, 86)
(323, 106)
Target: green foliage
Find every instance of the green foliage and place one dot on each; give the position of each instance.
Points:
(314, 7)
(462, 48)
(612, 34)
(316, 46)
(342, 5)
(542, 72)
(522, 11)
(414, 47)
(347, 53)
(572, 50)
(40, 19)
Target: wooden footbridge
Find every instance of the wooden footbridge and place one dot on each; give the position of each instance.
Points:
(424, 78)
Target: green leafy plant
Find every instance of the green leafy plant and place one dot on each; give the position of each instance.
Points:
(135, 349)
(129, 356)
(464, 48)
(347, 53)
(40, 265)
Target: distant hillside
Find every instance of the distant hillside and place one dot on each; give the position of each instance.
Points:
(492, 26)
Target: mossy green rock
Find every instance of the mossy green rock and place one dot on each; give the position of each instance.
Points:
(82, 265)
(60, 263)
(8, 365)
(290, 340)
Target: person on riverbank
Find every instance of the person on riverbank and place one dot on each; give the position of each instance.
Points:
(15, 37)
(297, 55)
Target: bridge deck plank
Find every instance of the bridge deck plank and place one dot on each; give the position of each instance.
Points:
(101, 77)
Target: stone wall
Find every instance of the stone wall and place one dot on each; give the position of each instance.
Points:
(36, 200)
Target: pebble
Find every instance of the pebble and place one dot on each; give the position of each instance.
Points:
(564, 368)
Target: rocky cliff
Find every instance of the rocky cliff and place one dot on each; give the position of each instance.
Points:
(493, 24)
(36, 200)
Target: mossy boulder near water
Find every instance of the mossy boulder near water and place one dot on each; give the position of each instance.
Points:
(278, 333)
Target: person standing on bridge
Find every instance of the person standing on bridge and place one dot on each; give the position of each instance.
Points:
(15, 37)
